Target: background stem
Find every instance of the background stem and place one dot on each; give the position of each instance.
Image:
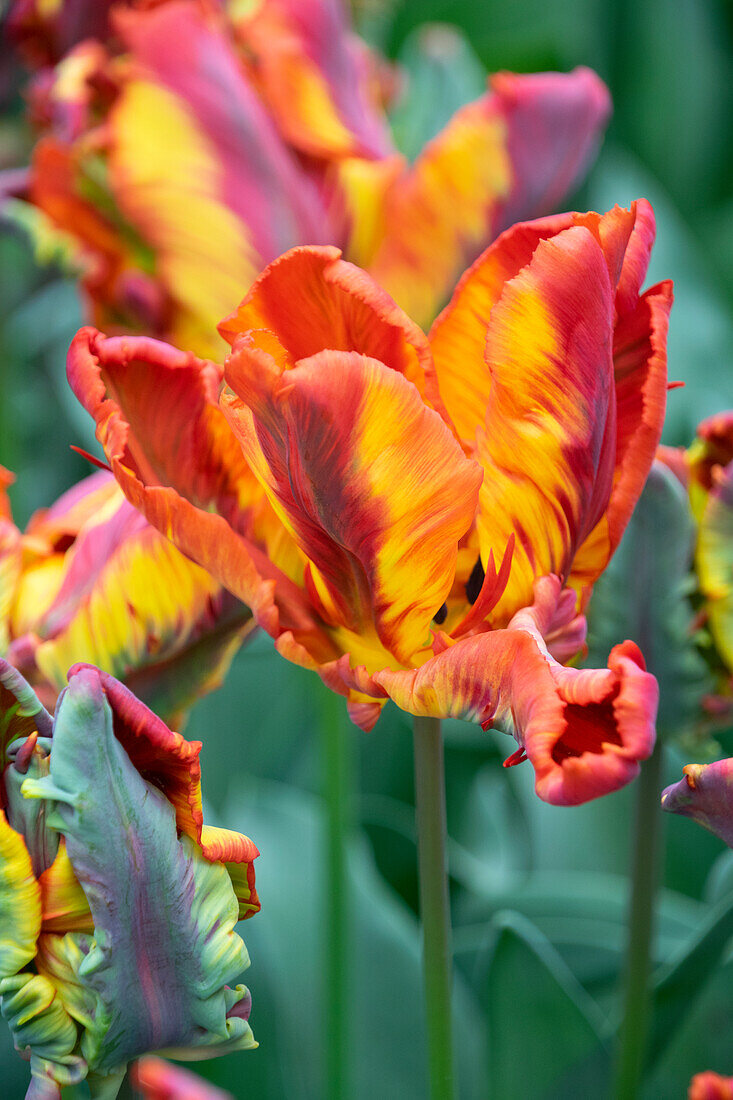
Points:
(646, 858)
(434, 903)
(339, 791)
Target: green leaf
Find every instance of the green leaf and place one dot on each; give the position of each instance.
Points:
(286, 943)
(642, 596)
(682, 981)
(542, 1024)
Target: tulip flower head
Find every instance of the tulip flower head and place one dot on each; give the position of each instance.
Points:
(175, 189)
(420, 518)
(90, 580)
(118, 905)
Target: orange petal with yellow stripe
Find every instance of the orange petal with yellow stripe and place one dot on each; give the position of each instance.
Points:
(369, 481)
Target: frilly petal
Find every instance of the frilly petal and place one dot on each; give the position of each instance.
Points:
(584, 731)
(312, 300)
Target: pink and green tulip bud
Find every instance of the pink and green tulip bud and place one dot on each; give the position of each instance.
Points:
(90, 580)
(118, 906)
(706, 795)
(710, 1086)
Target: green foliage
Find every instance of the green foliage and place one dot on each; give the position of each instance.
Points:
(642, 596)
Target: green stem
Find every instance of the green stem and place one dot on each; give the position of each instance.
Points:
(633, 1033)
(339, 793)
(434, 904)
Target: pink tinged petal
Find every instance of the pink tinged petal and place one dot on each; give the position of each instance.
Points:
(314, 77)
(156, 1079)
(369, 481)
(189, 54)
(554, 124)
(161, 756)
(508, 156)
(706, 795)
(584, 731)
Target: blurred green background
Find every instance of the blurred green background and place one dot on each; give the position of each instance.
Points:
(539, 894)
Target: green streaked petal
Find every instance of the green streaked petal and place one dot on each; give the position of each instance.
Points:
(30, 817)
(164, 945)
(41, 1026)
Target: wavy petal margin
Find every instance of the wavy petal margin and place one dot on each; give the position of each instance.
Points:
(584, 731)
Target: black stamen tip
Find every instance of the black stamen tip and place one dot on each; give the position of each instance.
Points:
(475, 582)
(441, 614)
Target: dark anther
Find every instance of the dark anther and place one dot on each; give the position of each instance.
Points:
(441, 614)
(475, 582)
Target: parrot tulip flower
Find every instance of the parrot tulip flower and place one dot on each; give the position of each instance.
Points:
(706, 795)
(175, 189)
(90, 580)
(413, 518)
(118, 905)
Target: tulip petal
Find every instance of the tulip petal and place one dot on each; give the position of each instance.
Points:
(710, 1086)
(164, 942)
(64, 904)
(706, 795)
(198, 166)
(640, 369)
(20, 902)
(162, 757)
(314, 78)
(312, 300)
(713, 561)
(584, 731)
(156, 1079)
(21, 712)
(369, 481)
(129, 602)
(547, 443)
(182, 467)
(508, 156)
(237, 853)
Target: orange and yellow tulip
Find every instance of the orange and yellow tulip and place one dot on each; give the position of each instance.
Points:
(356, 483)
(90, 580)
(221, 137)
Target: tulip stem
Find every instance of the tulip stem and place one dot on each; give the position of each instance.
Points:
(633, 1032)
(434, 903)
(338, 791)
